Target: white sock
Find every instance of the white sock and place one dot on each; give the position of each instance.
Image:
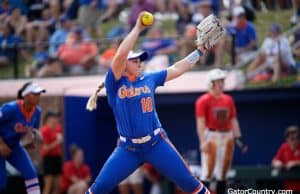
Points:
(32, 186)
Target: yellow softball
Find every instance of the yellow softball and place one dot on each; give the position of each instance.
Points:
(147, 18)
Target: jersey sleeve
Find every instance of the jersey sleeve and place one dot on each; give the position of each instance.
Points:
(110, 82)
(252, 33)
(6, 113)
(279, 154)
(159, 77)
(200, 107)
(86, 171)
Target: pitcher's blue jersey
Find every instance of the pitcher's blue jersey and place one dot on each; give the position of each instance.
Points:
(14, 122)
(133, 102)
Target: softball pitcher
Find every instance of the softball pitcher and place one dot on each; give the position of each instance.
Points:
(217, 127)
(18, 121)
(130, 94)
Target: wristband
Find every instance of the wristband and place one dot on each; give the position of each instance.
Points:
(239, 142)
(193, 57)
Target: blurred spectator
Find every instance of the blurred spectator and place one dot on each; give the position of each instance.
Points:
(106, 58)
(8, 43)
(288, 156)
(89, 12)
(92, 13)
(77, 55)
(17, 21)
(185, 17)
(52, 152)
(110, 9)
(39, 29)
(275, 57)
(151, 174)
(5, 10)
(76, 174)
(20, 4)
(137, 7)
(133, 182)
(158, 47)
(40, 57)
(186, 43)
(296, 45)
(51, 68)
(71, 8)
(204, 9)
(296, 11)
(35, 8)
(245, 43)
(60, 35)
(55, 7)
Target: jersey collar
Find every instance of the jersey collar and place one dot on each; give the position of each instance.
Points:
(27, 115)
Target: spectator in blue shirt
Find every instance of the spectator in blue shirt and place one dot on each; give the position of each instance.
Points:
(5, 10)
(245, 44)
(60, 35)
(8, 41)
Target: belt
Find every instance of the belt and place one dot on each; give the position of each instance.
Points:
(141, 140)
(219, 130)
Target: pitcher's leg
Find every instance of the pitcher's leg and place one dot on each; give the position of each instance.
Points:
(119, 165)
(165, 158)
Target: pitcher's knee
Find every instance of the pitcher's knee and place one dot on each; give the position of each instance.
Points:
(100, 188)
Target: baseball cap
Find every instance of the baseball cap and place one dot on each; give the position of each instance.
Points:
(33, 88)
(63, 18)
(205, 3)
(216, 74)
(275, 28)
(238, 10)
(142, 55)
(77, 30)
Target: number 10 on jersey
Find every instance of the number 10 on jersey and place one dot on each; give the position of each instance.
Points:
(147, 104)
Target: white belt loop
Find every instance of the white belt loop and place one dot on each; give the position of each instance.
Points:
(123, 138)
(157, 131)
(141, 139)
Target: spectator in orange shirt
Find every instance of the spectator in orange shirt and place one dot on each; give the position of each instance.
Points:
(76, 174)
(77, 55)
(52, 151)
(288, 157)
(106, 58)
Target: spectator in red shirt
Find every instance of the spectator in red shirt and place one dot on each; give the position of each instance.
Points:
(51, 151)
(76, 174)
(288, 156)
(217, 128)
(77, 55)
